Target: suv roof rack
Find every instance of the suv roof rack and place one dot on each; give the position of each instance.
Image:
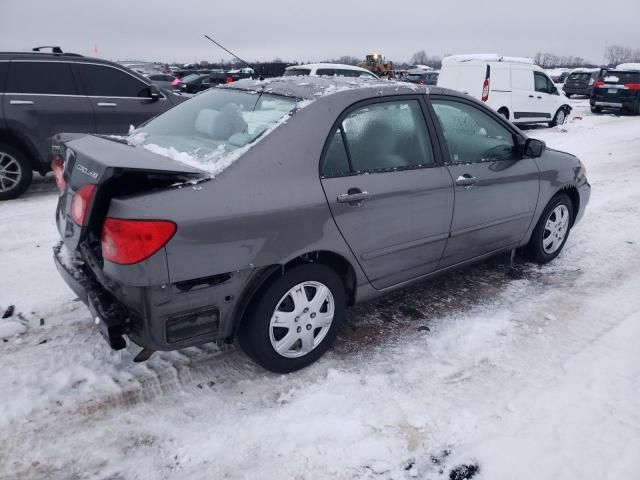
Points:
(55, 50)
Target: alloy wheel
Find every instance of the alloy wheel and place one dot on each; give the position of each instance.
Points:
(555, 229)
(10, 172)
(301, 320)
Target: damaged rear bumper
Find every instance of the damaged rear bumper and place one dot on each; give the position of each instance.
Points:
(161, 317)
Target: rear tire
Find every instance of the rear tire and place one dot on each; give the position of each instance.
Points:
(596, 109)
(505, 113)
(295, 319)
(15, 172)
(552, 230)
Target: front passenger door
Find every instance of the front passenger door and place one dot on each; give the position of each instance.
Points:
(389, 194)
(496, 189)
(119, 99)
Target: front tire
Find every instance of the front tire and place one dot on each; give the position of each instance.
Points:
(552, 230)
(15, 172)
(295, 319)
(596, 109)
(558, 118)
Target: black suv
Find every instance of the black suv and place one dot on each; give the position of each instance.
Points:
(617, 89)
(580, 82)
(42, 94)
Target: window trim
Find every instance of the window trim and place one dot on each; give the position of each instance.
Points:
(337, 125)
(444, 146)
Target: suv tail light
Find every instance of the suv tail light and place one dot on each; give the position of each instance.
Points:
(80, 203)
(598, 85)
(485, 90)
(632, 86)
(130, 241)
(57, 166)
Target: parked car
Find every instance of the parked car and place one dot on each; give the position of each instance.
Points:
(46, 93)
(162, 80)
(328, 70)
(617, 89)
(194, 83)
(422, 78)
(580, 81)
(359, 192)
(514, 87)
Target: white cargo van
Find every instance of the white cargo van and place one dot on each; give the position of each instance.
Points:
(514, 87)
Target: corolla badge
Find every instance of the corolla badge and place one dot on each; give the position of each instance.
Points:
(86, 171)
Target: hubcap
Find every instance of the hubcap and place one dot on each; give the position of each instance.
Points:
(10, 172)
(555, 230)
(301, 319)
(560, 117)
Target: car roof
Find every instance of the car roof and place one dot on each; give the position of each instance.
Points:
(311, 88)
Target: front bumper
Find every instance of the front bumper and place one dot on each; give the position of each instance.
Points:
(584, 191)
(162, 317)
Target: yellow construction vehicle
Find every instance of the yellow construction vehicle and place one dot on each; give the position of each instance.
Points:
(376, 63)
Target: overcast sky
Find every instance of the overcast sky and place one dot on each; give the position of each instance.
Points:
(311, 30)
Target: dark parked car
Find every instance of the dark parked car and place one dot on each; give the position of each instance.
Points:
(194, 83)
(43, 94)
(580, 82)
(343, 197)
(422, 78)
(162, 80)
(617, 89)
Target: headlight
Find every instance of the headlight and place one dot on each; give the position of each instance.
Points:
(582, 173)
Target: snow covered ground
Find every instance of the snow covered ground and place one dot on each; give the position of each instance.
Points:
(526, 372)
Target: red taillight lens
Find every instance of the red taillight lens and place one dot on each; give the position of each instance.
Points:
(598, 85)
(57, 166)
(485, 90)
(80, 203)
(228, 80)
(130, 241)
(632, 86)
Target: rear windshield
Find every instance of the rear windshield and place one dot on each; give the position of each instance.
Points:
(292, 72)
(622, 77)
(580, 76)
(205, 129)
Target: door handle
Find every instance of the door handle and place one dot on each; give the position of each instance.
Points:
(107, 104)
(466, 180)
(20, 102)
(539, 97)
(353, 197)
(530, 96)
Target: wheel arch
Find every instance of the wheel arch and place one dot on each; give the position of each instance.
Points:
(23, 144)
(574, 196)
(505, 109)
(269, 274)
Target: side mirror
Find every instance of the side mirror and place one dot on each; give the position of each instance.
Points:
(154, 92)
(534, 147)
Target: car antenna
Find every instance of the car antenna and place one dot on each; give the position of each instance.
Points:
(261, 77)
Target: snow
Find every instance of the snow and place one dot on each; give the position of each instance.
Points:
(529, 372)
(487, 57)
(11, 329)
(625, 67)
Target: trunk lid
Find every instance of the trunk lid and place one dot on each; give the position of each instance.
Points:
(116, 169)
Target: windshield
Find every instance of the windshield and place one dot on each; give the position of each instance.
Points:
(211, 125)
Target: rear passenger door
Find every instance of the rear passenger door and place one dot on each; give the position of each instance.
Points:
(119, 99)
(390, 195)
(41, 100)
(496, 188)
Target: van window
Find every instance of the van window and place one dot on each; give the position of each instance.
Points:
(472, 135)
(542, 83)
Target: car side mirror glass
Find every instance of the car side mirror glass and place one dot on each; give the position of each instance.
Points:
(534, 147)
(154, 92)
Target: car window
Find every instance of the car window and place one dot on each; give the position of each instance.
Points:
(291, 72)
(329, 72)
(472, 135)
(336, 162)
(541, 83)
(104, 81)
(4, 70)
(366, 74)
(385, 136)
(53, 78)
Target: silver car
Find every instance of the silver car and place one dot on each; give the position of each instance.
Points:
(261, 210)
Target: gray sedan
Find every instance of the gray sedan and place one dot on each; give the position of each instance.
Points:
(261, 210)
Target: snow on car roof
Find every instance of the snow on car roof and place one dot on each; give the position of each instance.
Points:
(628, 67)
(342, 66)
(585, 70)
(487, 57)
(311, 88)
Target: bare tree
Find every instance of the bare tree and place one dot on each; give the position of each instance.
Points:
(616, 54)
(419, 58)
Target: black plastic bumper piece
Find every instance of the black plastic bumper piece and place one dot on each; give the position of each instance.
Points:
(105, 310)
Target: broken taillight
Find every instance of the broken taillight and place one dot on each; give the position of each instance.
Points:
(57, 166)
(130, 241)
(80, 203)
